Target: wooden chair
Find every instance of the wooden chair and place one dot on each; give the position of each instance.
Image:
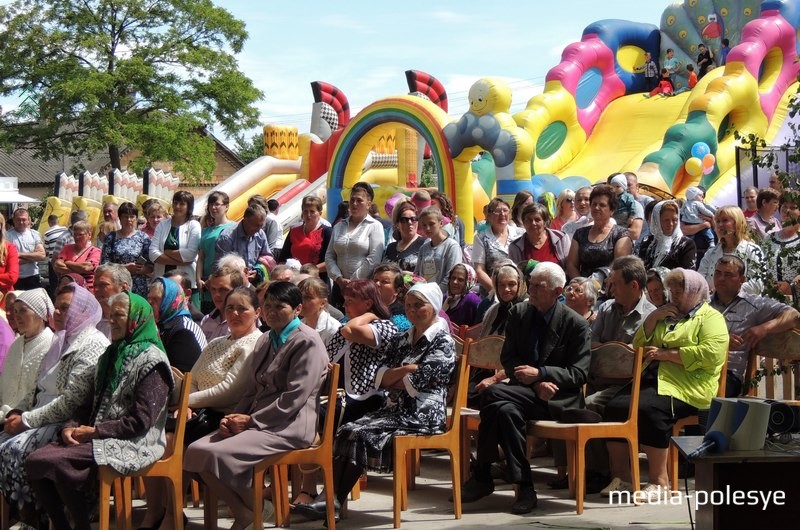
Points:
(482, 353)
(170, 467)
(612, 360)
(784, 347)
(4, 515)
(672, 456)
(321, 454)
(449, 440)
(471, 332)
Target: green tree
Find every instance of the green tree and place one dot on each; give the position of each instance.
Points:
(108, 75)
(249, 150)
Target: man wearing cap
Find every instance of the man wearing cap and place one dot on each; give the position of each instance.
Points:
(546, 356)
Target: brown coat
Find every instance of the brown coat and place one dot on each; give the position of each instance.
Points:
(282, 399)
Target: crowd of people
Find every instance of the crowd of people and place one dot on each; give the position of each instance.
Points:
(257, 313)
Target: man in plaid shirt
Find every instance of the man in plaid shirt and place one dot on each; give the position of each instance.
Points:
(650, 72)
(55, 239)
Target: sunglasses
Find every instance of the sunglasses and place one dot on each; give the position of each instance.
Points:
(407, 219)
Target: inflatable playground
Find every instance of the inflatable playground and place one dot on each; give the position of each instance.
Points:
(590, 121)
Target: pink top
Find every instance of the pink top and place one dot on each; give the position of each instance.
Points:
(87, 255)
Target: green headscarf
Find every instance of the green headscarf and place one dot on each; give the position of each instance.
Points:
(141, 334)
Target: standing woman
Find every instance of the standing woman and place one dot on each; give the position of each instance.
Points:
(596, 246)
(9, 261)
(357, 243)
(119, 423)
(666, 246)
(405, 251)
(217, 220)
(278, 411)
(155, 214)
(182, 338)
(492, 245)
(730, 226)
(439, 253)
(128, 247)
(81, 256)
(521, 200)
(782, 246)
(308, 241)
(539, 242)
(177, 240)
(764, 222)
(455, 228)
(565, 209)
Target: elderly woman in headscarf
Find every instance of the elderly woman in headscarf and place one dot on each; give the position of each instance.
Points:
(419, 367)
(667, 246)
(119, 422)
(685, 343)
(65, 377)
(461, 303)
(181, 336)
(33, 311)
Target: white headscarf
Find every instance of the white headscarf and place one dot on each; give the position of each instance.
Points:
(430, 292)
(662, 243)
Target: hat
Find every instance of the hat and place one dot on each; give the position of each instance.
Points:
(620, 180)
(430, 292)
(38, 301)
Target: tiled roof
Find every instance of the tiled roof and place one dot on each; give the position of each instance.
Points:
(22, 164)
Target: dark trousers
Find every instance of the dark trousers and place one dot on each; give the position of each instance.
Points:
(505, 411)
(30, 282)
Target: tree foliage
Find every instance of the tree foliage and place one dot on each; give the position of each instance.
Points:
(249, 150)
(142, 75)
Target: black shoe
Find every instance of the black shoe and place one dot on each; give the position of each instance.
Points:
(317, 511)
(499, 471)
(526, 501)
(595, 482)
(474, 490)
(560, 483)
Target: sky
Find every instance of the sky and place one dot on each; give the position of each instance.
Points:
(364, 47)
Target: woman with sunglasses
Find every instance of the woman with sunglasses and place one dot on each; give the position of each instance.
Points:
(405, 250)
(565, 209)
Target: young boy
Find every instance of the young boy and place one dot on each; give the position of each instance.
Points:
(692, 80)
(650, 72)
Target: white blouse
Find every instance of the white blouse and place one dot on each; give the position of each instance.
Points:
(352, 254)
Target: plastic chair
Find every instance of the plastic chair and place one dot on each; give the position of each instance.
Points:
(482, 353)
(169, 467)
(612, 360)
(449, 440)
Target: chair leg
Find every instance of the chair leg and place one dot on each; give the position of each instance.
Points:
(105, 499)
(579, 470)
(633, 448)
(327, 479)
(210, 510)
(4, 517)
(280, 492)
(258, 498)
(355, 493)
(195, 486)
(464, 447)
(571, 473)
(411, 469)
(672, 466)
(399, 480)
(127, 507)
(177, 500)
(455, 466)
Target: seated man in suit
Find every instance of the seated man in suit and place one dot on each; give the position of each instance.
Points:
(546, 356)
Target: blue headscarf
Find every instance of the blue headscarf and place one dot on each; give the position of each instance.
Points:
(173, 304)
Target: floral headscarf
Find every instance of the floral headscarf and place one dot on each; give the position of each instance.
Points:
(140, 335)
(84, 312)
(173, 304)
(452, 299)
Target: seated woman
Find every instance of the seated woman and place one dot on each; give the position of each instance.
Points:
(181, 336)
(391, 287)
(120, 423)
(32, 312)
(580, 295)
(685, 344)
(314, 313)
(461, 304)
(278, 411)
(416, 374)
(217, 387)
(656, 291)
(65, 377)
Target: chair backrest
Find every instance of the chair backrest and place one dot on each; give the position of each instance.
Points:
(185, 381)
(612, 360)
(460, 345)
(472, 332)
(723, 378)
(485, 352)
(330, 387)
(462, 383)
(615, 360)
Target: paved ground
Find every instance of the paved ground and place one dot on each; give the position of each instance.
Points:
(429, 507)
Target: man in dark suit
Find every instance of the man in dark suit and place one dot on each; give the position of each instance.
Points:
(546, 357)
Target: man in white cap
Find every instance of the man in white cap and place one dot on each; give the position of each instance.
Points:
(546, 357)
